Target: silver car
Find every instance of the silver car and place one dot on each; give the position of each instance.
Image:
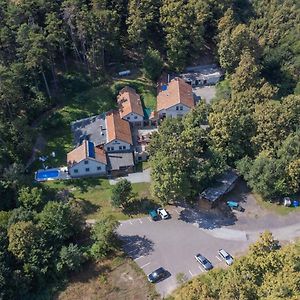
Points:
(204, 262)
(226, 256)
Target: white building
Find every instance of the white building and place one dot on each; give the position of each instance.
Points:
(130, 106)
(118, 133)
(175, 99)
(86, 160)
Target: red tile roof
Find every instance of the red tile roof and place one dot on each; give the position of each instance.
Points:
(80, 153)
(129, 102)
(177, 92)
(117, 128)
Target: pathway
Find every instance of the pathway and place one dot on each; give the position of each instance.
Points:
(134, 177)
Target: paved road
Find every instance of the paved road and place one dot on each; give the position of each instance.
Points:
(173, 243)
(134, 177)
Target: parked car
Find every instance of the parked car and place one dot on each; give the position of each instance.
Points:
(157, 275)
(163, 213)
(204, 262)
(226, 256)
(235, 205)
(153, 215)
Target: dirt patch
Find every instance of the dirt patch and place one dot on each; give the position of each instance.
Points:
(114, 279)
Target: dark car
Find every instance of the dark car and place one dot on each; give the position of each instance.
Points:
(153, 214)
(204, 262)
(157, 275)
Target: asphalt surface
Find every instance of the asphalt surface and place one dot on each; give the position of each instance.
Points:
(206, 92)
(173, 243)
(134, 177)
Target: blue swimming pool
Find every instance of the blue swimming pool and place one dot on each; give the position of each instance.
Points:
(43, 175)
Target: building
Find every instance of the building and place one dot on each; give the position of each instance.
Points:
(175, 99)
(202, 75)
(130, 106)
(86, 160)
(224, 184)
(118, 133)
(120, 163)
(92, 129)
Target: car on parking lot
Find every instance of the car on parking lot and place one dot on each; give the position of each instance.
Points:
(163, 213)
(153, 215)
(204, 262)
(236, 206)
(157, 275)
(226, 256)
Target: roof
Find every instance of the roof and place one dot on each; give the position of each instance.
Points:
(224, 184)
(176, 92)
(119, 160)
(86, 150)
(117, 128)
(92, 129)
(129, 102)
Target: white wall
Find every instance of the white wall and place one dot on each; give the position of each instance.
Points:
(173, 112)
(133, 117)
(116, 144)
(91, 164)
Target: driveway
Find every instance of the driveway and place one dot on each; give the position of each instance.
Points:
(173, 243)
(206, 92)
(134, 177)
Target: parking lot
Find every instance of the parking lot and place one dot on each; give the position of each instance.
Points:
(173, 243)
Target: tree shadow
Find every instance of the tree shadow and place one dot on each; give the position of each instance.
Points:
(87, 207)
(136, 246)
(208, 219)
(83, 184)
(139, 206)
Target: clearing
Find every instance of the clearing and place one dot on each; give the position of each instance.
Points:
(118, 278)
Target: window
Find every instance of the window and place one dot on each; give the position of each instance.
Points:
(124, 147)
(135, 117)
(120, 147)
(177, 108)
(86, 162)
(139, 158)
(181, 107)
(75, 170)
(112, 148)
(108, 148)
(87, 169)
(128, 118)
(98, 168)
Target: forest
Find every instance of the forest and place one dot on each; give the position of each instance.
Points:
(51, 50)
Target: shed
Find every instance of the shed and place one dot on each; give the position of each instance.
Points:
(224, 184)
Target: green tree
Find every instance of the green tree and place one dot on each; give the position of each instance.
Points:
(231, 129)
(152, 64)
(183, 25)
(70, 258)
(59, 220)
(104, 237)
(143, 21)
(31, 199)
(121, 193)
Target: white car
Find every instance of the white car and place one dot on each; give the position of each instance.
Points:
(163, 213)
(226, 256)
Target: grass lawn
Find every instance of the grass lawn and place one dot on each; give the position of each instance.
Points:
(116, 278)
(274, 207)
(95, 194)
